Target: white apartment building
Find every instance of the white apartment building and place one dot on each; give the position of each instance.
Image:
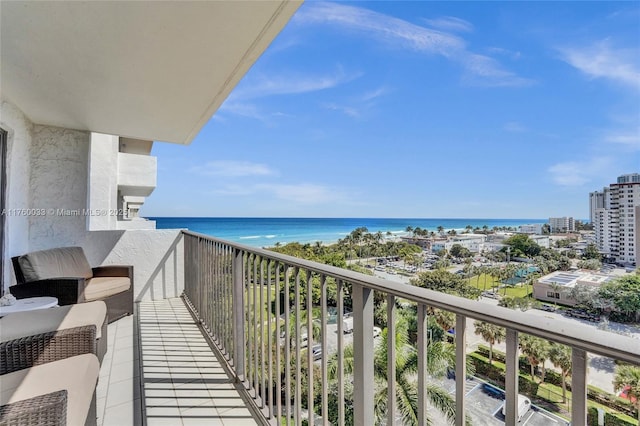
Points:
(533, 228)
(562, 224)
(473, 242)
(598, 200)
(614, 219)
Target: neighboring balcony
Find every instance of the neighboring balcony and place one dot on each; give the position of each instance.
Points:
(137, 174)
(235, 349)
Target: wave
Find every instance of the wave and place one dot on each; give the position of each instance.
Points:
(251, 237)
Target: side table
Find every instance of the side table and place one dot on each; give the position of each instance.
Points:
(29, 304)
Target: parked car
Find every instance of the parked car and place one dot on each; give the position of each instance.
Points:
(548, 308)
(524, 405)
(491, 295)
(582, 314)
(317, 352)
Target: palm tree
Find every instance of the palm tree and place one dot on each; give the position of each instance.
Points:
(491, 333)
(560, 356)
(536, 350)
(440, 356)
(628, 377)
(441, 230)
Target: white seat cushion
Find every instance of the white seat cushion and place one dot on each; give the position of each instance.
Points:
(78, 375)
(23, 324)
(101, 287)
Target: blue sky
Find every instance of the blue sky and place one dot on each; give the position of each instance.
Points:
(420, 109)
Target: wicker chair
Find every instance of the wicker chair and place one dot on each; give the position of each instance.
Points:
(46, 335)
(61, 392)
(49, 409)
(65, 273)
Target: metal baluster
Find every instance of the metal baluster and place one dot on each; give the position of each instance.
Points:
(363, 386)
(391, 360)
(422, 363)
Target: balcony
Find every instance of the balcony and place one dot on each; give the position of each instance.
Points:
(220, 355)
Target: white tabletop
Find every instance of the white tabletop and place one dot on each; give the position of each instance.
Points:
(29, 304)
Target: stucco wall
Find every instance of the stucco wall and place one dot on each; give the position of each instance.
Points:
(48, 169)
(18, 171)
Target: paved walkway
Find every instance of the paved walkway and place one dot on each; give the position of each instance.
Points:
(164, 373)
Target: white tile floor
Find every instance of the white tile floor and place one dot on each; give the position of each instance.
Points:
(164, 373)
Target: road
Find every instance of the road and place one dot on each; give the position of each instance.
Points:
(601, 369)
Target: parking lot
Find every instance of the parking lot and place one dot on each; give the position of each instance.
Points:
(484, 405)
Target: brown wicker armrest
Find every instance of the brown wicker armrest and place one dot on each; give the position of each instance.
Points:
(47, 409)
(67, 290)
(47, 347)
(113, 271)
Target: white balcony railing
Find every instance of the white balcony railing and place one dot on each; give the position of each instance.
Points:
(235, 290)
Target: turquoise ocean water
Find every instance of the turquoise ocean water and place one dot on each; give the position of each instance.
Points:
(266, 232)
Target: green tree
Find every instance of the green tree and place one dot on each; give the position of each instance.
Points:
(522, 246)
(560, 356)
(624, 294)
(440, 356)
(536, 350)
(491, 334)
(446, 282)
(591, 252)
(628, 376)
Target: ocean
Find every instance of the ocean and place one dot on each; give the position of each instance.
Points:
(266, 232)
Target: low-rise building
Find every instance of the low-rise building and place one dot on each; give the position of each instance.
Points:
(556, 286)
(472, 242)
(532, 228)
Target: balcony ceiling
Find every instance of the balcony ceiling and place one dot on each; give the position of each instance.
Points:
(144, 70)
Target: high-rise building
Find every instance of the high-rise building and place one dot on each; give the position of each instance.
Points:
(613, 214)
(562, 224)
(598, 200)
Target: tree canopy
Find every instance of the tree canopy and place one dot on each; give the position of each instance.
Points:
(446, 282)
(522, 246)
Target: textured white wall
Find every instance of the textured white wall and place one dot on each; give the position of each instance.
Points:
(103, 181)
(49, 169)
(18, 171)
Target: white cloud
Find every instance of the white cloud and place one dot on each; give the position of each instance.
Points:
(406, 35)
(233, 169)
(303, 193)
(373, 94)
(601, 60)
(347, 110)
(296, 194)
(578, 173)
(451, 23)
(515, 127)
(292, 83)
(629, 140)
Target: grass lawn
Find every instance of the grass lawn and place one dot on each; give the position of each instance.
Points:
(479, 282)
(520, 291)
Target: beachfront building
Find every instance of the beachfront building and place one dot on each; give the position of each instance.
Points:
(533, 228)
(87, 87)
(615, 219)
(420, 241)
(473, 242)
(562, 224)
(556, 287)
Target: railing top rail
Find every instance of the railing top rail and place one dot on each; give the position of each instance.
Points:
(563, 331)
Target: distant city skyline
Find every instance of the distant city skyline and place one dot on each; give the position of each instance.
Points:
(420, 109)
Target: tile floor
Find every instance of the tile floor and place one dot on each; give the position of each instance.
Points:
(159, 370)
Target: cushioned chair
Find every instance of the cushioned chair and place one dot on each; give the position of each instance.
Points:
(61, 392)
(38, 337)
(66, 274)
